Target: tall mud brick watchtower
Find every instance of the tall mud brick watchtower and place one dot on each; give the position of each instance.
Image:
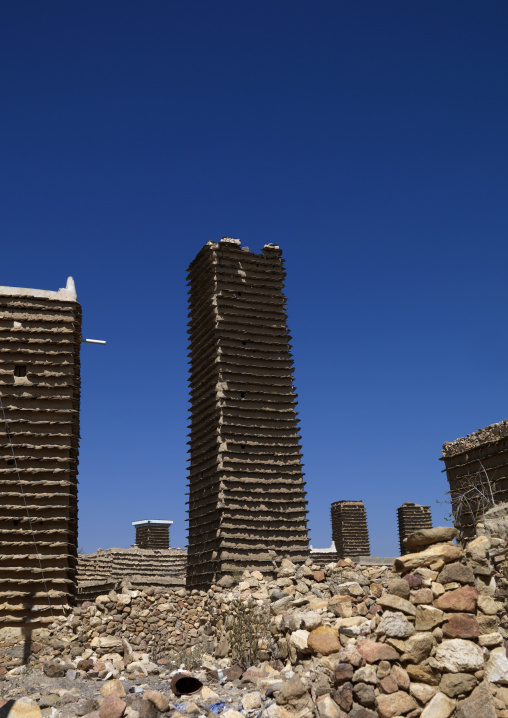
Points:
(246, 490)
(39, 432)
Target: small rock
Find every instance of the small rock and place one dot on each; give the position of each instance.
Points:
(207, 694)
(462, 599)
(458, 655)
(344, 697)
(343, 673)
(299, 639)
(395, 625)
(440, 706)
(53, 669)
(401, 677)
(388, 600)
(398, 587)
(373, 652)
(113, 688)
(487, 605)
(364, 693)
(456, 572)
(366, 674)
(226, 581)
(388, 684)
(418, 647)
(422, 674)
(112, 707)
(251, 701)
(453, 684)
(395, 704)
(19, 709)
(158, 699)
(324, 640)
(461, 625)
(327, 708)
(479, 703)
(496, 668)
(422, 595)
(422, 691)
(428, 617)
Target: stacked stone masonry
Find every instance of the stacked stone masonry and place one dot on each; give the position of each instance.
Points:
(152, 534)
(342, 640)
(478, 464)
(246, 490)
(349, 529)
(40, 389)
(412, 517)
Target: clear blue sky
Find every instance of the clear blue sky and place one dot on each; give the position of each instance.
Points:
(368, 139)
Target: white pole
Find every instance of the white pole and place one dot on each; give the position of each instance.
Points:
(93, 341)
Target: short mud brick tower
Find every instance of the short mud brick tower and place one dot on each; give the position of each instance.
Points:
(39, 433)
(411, 518)
(477, 470)
(152, 533)
(349, 529)
(246, 490)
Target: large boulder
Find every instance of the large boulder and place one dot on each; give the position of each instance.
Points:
(440, 553)
(425, 537)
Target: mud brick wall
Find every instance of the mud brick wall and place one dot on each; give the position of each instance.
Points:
(40, 335)
(141, 567)
(246, 490)
(479, 459)
(152, 535)
(349, 529)
(412, 517)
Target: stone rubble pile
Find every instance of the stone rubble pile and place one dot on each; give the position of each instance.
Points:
(426, 638)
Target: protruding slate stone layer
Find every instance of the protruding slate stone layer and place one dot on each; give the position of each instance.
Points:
(152, 535)
(477, 460)
(40, 386)
(141, 567)
(411, 518)
(349, 529)
(247, 499)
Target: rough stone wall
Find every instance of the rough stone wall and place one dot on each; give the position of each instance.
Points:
(349, 529)
(152, 536)
(246, 489)
(412, 517)
(344, 640)
(40, 387)
(141, 567)
(478, 460)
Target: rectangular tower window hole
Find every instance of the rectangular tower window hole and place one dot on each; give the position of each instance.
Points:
(20, 370)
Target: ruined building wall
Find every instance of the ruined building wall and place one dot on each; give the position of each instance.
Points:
(412, 517)
(349, 529)
(105, 569)
(477, 460)
(246, 489)
(40, 387)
